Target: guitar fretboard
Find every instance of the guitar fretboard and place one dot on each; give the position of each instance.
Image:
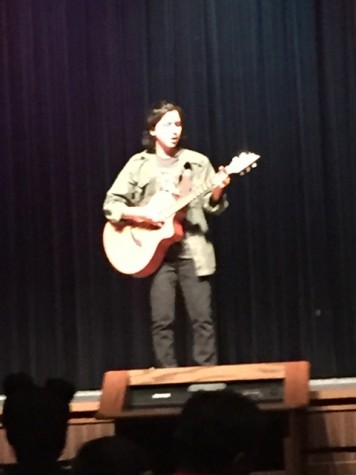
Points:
(183, 201)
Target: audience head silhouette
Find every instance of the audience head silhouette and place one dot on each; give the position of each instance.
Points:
(35, 419)
(111, 455)
(217, 433)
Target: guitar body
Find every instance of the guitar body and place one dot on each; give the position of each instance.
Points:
(139, 249)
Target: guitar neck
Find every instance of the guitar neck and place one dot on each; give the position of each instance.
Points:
(184, 201)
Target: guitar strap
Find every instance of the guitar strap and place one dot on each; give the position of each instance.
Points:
(185, 183)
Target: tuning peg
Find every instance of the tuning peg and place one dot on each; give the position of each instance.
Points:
(242, 173)
(254, 165)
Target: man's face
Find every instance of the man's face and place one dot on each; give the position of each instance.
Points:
(168, 131)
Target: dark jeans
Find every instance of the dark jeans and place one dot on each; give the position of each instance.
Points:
(197, 298)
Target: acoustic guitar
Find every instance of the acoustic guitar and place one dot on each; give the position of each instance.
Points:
(138, 249)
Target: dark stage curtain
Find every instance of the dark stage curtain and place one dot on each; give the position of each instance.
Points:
(277, 77)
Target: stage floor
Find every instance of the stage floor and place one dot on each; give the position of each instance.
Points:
(315, 386)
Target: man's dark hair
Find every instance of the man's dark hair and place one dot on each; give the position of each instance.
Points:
(35, 419)
(215, 427)
(154, 115)
(109, 455)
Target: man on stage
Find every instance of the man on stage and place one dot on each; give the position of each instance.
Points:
(165, 166)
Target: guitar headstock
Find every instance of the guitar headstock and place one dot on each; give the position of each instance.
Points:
(242, 163)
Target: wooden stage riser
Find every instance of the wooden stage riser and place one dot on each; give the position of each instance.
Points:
(331, 428)
(293, 376)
